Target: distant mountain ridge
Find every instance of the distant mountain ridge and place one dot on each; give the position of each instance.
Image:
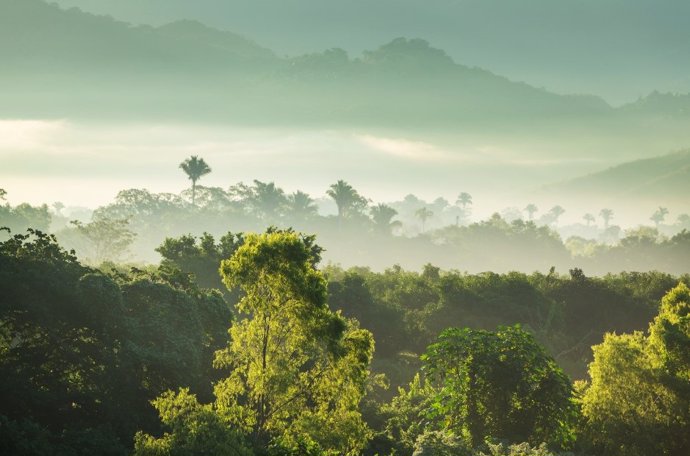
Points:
(71, 63)
(660, 179)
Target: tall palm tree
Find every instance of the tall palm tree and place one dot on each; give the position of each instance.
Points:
(382, 215)
(346, 198)
(531, 209)
(423, 214)
(589, 218)
(464, 199)
(301, 205)
(607, 215)
(195, 167)
(659, 215)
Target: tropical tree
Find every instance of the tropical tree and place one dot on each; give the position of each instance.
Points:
(499, 385)
(589, 218)
(659, 215)
(464, 199)
(607, 215)
(423, 214)
(531, 209)
(3, 194)
(301, 205)
(552, 216)
(266, 200)
(382, 215)
(195, 168)
(297, 370)
(637, 401)
(347, 199)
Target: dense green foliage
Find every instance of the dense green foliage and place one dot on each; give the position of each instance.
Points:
(471, 367)
(296, 371)
(84, 354)
(638, 400)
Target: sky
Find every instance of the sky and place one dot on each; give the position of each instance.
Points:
(617, 49)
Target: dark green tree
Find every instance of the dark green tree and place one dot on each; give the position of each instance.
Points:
(499, 385)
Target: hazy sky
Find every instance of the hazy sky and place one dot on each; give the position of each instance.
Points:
(618, 49)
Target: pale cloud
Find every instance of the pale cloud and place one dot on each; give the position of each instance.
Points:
(28, 134)
(408, 149)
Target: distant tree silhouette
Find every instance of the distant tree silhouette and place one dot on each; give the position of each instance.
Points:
(266, 199)
(659, 215)
(301, 205)
(382, 216)
(423, 214)
(58, 207)
(195, 167)
(555, 213)
(607, 215)
(346, 198)
(531, 209)
(464, 199)
(589, 218)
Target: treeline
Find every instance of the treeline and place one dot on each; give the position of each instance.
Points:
(83, 352)
(410, 232)
(406, 310)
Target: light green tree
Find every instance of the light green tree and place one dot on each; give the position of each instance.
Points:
(193, 429)
(638, 401)
(195, 168)
(297, 370)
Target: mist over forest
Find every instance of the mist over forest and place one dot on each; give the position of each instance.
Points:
(344, 228)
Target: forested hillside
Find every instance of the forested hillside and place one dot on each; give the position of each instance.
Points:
(85, 352)
(665, 177)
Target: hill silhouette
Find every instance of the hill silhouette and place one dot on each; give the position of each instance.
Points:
(659, 179)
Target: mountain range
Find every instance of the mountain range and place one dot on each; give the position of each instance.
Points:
(69, 63)
(616, 49)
